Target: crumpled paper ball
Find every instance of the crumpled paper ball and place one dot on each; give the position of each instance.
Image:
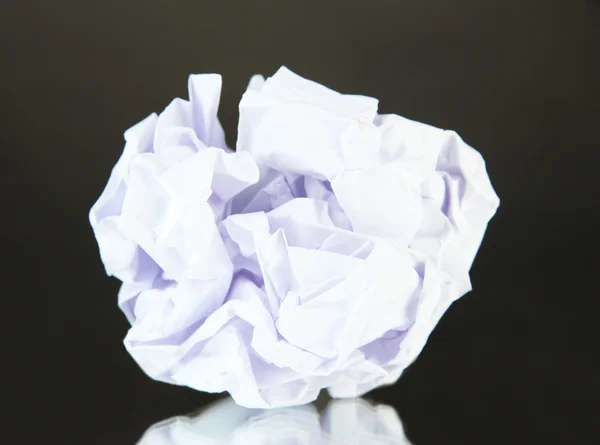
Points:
(320, 254)
(350, 421)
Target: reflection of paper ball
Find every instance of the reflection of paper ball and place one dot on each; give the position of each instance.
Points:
(319, 255)
(349, 421)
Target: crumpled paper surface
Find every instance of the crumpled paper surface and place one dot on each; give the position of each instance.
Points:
(320, 254)
(351, 421)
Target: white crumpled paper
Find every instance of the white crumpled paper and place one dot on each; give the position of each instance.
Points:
(351, 421)
(320, 254)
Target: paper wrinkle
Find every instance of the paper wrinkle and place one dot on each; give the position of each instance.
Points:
(224, 422)
(321, 254)
(318, 132)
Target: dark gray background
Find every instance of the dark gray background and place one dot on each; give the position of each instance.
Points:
(512, 362)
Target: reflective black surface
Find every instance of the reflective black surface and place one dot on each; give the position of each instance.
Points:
(514, 361)
(353, 421)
